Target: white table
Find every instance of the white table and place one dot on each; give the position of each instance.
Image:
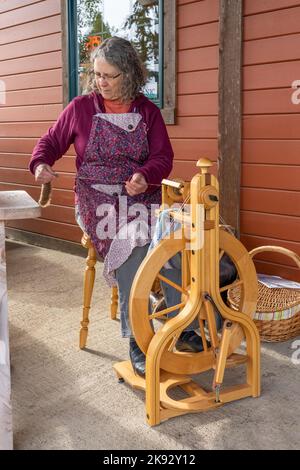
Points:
(13, 205)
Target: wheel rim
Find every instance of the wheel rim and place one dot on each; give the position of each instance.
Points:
(174, 361)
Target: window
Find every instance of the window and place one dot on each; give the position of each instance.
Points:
(143, 23)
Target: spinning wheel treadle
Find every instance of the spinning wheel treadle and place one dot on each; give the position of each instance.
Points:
(167, 368)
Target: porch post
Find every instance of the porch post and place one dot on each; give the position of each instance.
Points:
(230, 109)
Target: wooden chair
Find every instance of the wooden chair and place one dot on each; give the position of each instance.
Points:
(170, 195)
(88, 285)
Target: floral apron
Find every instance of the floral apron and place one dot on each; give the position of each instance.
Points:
(117, 147)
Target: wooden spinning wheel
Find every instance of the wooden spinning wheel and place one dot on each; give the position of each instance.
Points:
(141, 318)
(201, 244)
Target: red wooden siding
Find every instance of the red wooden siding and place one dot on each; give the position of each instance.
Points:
(31, 67)
(195, 132)
(270, 192)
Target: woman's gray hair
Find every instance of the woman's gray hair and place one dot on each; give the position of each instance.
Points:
(120, 53)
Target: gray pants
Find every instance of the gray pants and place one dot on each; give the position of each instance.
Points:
(125, 275)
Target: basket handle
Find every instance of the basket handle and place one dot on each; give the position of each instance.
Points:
(276, 249)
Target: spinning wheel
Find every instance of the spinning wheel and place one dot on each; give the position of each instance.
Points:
(201, 244)
(141, 318)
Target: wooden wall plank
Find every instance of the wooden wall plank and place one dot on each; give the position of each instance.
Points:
(284, 152)
(274, 75)
(269, 102)
(39, 96)
(31, 30)
(277, 49)
(16, 175)
(20, 160)
(63, 197)
(44, 112)
(252, 7)
(47, 227)
(49, 60)
(278, 270)
(275, 23)
(7, 5)
(30, 13)
(283, 126)
(30, 47)
(198, 13)
(17, 145)
(59, 214)
(198, 59)
(198, 36)
(24, 129)
(282, 227)
(198, 105)
(252, 241)
(205, 81)
(271, 201)
(274, 264)
(193, 127)
(187, 169)
(276, 258)
(24, 81)
(184, 2)
(271, 176)
(193, 149)
(24, 145)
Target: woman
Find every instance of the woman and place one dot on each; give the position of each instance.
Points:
(123, 153)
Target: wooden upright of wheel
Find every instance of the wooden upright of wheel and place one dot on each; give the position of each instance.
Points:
(201, 243)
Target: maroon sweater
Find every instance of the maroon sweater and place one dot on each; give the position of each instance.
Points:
(73, 127)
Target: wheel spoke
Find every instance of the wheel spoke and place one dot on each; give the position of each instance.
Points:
(230, 286)
(221, 254)
(166, 311)
(173, 284)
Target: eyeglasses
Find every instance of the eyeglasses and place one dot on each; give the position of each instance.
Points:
(107, 78)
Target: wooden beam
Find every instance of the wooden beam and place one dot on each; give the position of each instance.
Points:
(170, 47)
(64, 51)
(230, 109)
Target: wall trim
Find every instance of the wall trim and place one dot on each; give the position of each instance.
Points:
(64, 51)
(45, 241)
(170, 65)
(230, 109)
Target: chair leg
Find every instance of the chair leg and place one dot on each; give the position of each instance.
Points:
(114, 303)
(89, 278)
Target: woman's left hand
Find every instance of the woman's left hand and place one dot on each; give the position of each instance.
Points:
(136, 185)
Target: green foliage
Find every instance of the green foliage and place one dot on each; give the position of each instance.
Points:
(145, 38)
(89, 23)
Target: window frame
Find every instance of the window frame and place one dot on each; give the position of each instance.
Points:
(167, 51)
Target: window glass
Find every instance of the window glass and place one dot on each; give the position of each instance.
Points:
(139, 21)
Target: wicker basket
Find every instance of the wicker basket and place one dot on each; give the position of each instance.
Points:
(282, 306)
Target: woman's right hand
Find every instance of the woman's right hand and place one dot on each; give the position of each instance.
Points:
(44, 174)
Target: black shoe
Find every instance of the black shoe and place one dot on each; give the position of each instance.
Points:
(137, 358)
(189, 341)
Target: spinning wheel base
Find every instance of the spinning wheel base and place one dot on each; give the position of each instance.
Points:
(197, 399)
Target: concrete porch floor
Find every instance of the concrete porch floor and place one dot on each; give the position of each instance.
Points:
(65, 398)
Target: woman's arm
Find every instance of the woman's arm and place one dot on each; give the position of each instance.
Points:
(160, 161)
(54, 144)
